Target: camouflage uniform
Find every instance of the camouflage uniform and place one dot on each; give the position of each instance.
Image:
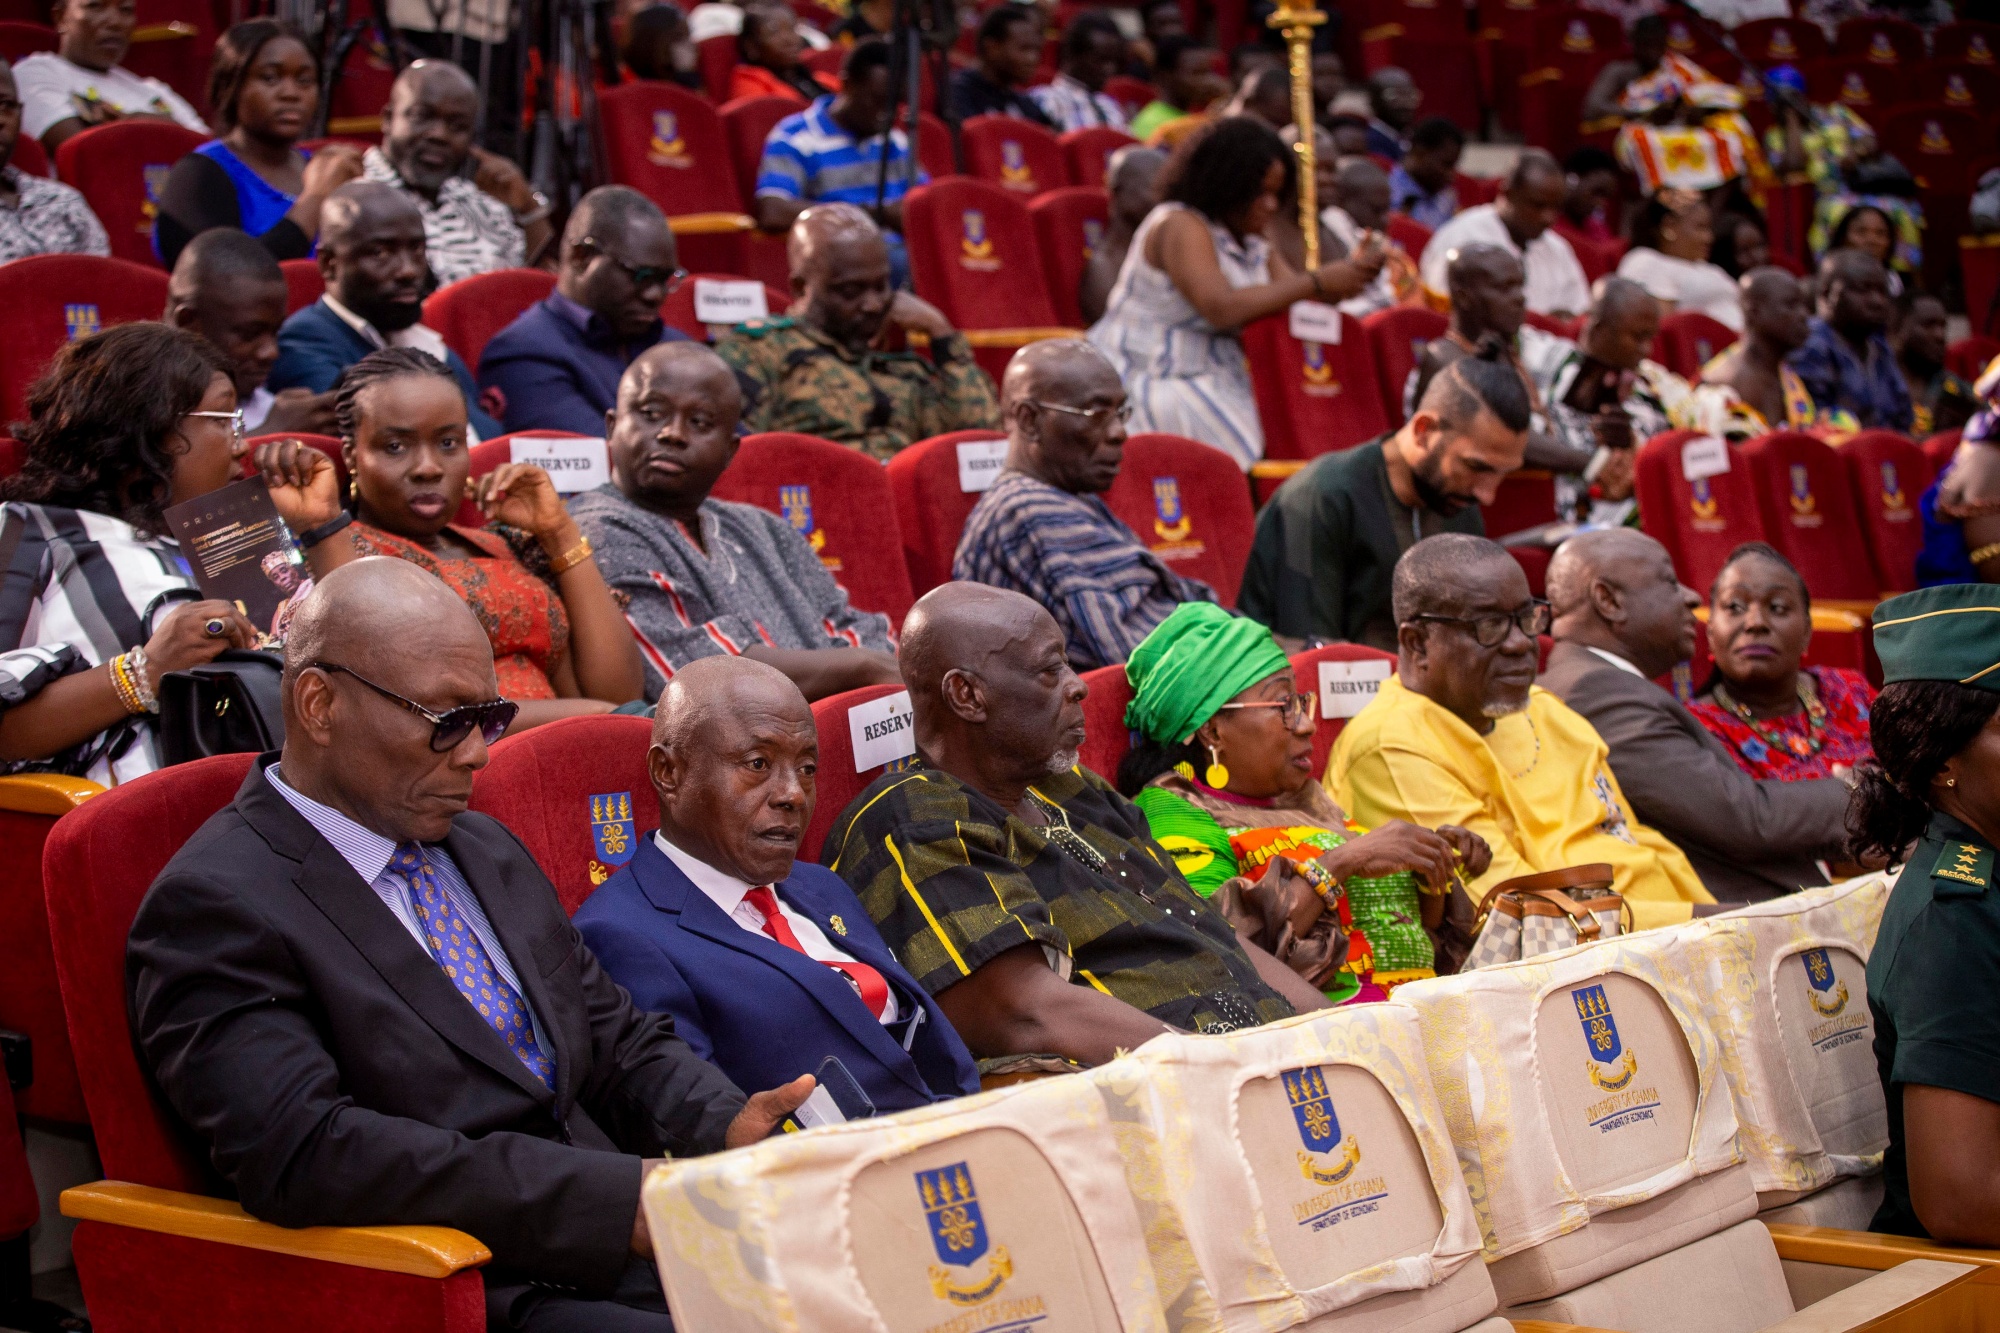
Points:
(880, 402)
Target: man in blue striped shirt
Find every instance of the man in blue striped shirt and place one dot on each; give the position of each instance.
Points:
(832, 153)
(1042, 529)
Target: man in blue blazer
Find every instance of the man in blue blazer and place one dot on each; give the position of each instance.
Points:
(766, 964)
(371, 254)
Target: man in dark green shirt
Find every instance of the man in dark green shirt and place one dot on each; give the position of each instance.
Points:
(1327, 543)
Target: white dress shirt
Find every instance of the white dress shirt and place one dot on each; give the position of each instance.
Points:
(1555, 279)
(729, 893)
(1617, 661)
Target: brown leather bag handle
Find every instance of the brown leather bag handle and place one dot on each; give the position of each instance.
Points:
(1549, 886)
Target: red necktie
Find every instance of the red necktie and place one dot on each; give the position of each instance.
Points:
(874, 990)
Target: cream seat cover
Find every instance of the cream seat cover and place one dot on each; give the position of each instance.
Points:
(1035, 1206)
(1574, 1084)
(1310, 1161)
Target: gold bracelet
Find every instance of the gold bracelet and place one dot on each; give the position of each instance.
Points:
(1981, 554)
(121, 681)
(571, 558)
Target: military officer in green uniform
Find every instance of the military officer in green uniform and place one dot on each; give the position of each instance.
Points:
(1934, 975)
(816, 369)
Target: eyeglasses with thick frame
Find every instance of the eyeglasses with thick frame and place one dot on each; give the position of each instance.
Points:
(448, 728)
(237, 431)
(1301, 706)
(1096, 416)
(642, 276)
(1490, 631)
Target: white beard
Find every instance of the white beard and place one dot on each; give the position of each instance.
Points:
(1062, 761)
(1500, 710)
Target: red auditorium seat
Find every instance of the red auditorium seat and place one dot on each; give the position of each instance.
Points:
(667, 143)
(51, 299)
(1305, 666)
(1106, 738)
(935, 152)
(1807, 504)
(303, 284)
(1502, 46)
(1562, 328)
(156, 1245)
(11, 456)
(1313, 398)
(748, 122)
(839, 781)
(1940, 146)
(931, 506)
(1475, 190)
(172, 42)
(30, 805)
(1017, 155)
(1779, 41)
(1130, 93)
(1979, 261)
(839, 500)
(1890, 474)
(1940, 449)
(1069, 224)
(1969, 357)
(1398, 336)
(565, 790)
(490, 454)
(1409, 233)
(1868, 89)
(1088, 152)
(1189, 504)
(361, 93)
(121, 169)
(1699, 522)
(467, 313)
(1432, 42)
(715, 57)
(24, 39)
(1571, 46)
(1687, 340)
(1975, 43)
(973, 255)
(678, 309)
(1526, 499)
(1879, 40)
(30, 158)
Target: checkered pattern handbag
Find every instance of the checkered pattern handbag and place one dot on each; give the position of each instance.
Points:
(1531, 915)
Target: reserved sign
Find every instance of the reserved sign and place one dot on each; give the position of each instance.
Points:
(1345, 688)
(882, 731)
(1315, 322)
(1703, 457)
(574, 463)
(979, 462)
(719, 302)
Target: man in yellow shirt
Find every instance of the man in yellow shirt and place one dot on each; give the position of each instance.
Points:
(1462, 735)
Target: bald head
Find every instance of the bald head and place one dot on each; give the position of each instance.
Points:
(840, 274)
(684, 362)
(1130, 175)
(1854, 294)
(359, 209)
(1775, 309)
(1361, 188)
(1431, 577)
(380, 614)
(960, 627)
(1050, 365)
(711, 692)
(614, 213)
(432, 116)
(1615, 589)
(1063, 405)
(1622, 324)
(1606, 553)
(824, 229)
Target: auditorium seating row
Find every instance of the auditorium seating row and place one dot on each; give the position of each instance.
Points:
(1683, 1122)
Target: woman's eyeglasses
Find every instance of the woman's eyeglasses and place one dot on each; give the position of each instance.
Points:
(1490, 631)
(1301, 707)
(448, 728)
(643, 276)
(235, 420)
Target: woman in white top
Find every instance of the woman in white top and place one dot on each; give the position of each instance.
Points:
(1671, 238)
(82, 84)
(1199, 269)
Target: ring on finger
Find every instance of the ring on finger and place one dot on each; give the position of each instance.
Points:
(214, 627)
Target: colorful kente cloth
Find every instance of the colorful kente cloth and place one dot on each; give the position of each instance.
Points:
(1827, 141)
(1846, 696)
(1719, 410)
(1694, 157)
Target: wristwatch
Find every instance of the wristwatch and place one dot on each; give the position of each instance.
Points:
(541, 209)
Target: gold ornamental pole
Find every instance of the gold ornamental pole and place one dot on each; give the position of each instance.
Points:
(1296, 22)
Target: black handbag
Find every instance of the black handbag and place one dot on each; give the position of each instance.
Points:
(228, 706)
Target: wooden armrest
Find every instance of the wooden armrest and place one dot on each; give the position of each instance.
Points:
(1981, 242)
(45, 793)
(1922, 1294)
(421, 1251)
(1836, 618)
(1860, 610)
(1870, 1249)
(355, 125)
(710, 224)
(163, 32)
(1014, 337)
(1276, 469)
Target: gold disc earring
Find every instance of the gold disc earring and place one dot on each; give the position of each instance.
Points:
(1218, 773)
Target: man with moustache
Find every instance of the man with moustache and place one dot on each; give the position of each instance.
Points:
(371, 255)
(1020, 889)
(1328, 541)
(227, 288)
(1462, 735)
(701, 576)
(767, 965)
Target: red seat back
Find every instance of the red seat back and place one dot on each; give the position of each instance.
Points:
(30, 158)
(1409, 233)
(326, 444)
(839, 500)
(490, 454)
(973, 255)
(12, 456)
(716, 59)
(1974, 43)
(30, 1001)
(1879, 40)
(1189, 503)
(98, 863)
(747, 122)
(1398, 336)
(576, 794)
(1779, 41)
(839, 781)
(1526, 499)
(1940, 449)
(121, 168)
(935, 153)
(1807, 501)
(1687, 340)
(361, 93)
(1969, 357)
(1869, 89)
(1473, 190)
(678, 309)
(932, 505)
(1699, 522)
(1106, 738)
(1889, 474)
(24, 39)
(53, 299)
(303, 284)
(1337, 695)
(172, 42)
(1313, 397)
(1088, 152)
(1018, 155)
(667, 143)
(1130, 93)
(1069, 224)
(1937, 144)
(467, 313)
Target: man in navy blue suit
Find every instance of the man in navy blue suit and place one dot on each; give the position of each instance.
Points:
(372, 256)
(766, 964)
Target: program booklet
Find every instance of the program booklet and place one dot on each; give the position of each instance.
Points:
(240, 550)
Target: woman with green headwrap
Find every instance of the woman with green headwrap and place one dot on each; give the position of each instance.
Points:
(1222, 769)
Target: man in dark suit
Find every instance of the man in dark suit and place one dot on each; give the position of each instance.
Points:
(372, 256)
(767, 965)
(369, 1007)
(1622, 618)
(557, 366)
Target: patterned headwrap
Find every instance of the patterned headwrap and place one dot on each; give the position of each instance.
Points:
(1198, 659)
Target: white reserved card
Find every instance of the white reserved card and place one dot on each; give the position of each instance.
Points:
(1703, 457)
(979, 462)
(1345, 688)
(574, 464)
(719, 302)
(882, 731)
(1315, 322)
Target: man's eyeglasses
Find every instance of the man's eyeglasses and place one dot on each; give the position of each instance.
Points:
(1096, 416)
(1298, 707)
(1490, 631)
(649, 275)
(448, 728)
(235, 420)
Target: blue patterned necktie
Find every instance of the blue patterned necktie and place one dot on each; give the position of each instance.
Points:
(465, 960)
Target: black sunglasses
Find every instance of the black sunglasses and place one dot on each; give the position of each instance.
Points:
(448, 728)
(649, 276)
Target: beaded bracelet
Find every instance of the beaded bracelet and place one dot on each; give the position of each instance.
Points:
(121, 682)
(1981, 554)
